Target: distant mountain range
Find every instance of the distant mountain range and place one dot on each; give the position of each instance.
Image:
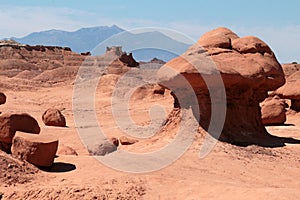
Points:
(82, 40)
(86, 39)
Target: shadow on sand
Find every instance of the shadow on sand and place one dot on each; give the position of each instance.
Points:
(59, 167)
(270, 141)
(270, 125)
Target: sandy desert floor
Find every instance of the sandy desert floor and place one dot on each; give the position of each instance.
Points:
(228, 172)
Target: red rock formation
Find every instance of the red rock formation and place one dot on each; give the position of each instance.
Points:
(273, 111)
(86, 53)
(50, 65)
(127, 141)
(10, 123)
(158, 90)
(53, 117)
(128, 60)
(38, 150)
(248, 68)
(16, 58)
(120, 61)
(291, 90)
(2, 98)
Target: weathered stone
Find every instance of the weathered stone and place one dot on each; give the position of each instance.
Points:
(53, 117)
(38, 150)
(10, 123)
(102, 148)
(2, 98)
(66, 150)
(291, 90)
(273, 111)
(127, 141)
(247, 68)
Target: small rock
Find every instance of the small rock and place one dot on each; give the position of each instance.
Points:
(2, 98)
(66, 150)
(102, 148)
(53, 117)
(115, 141)
(158, 90)
(273, 111)
(290, 90)
(127, 141)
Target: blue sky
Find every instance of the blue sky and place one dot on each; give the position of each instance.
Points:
(276, 22)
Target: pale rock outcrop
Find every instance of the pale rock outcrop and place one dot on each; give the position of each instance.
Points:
(101, 148)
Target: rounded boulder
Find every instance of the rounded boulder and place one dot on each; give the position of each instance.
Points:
(53, 117)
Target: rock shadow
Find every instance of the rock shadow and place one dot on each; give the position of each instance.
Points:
(270, 141)
(59, 167)
(279, 125)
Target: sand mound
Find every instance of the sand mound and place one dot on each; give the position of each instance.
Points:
(107, 83)
(13, 171)
(27, 74)
(108, 190)
(62, 74)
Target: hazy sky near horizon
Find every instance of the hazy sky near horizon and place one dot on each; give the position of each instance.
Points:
(276, 22)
